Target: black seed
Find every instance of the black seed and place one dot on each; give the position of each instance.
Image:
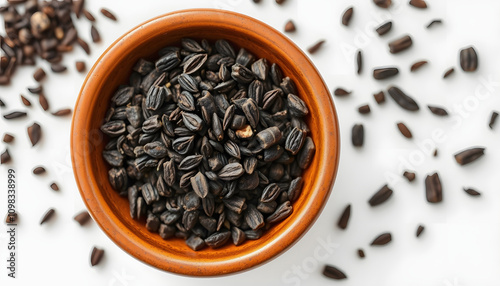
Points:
(333, 273)
(472, 192)
(468, 59)
(433, 188)
(493, 119)
(400, 44)
(469, 155)
(381, 196)
(346, 17)
(402, 99)
(200, 185)
(382, 239)
(384, 28)
(344, 218)
(357, 135)
(438, 110)
(384, 73)
(218, 239)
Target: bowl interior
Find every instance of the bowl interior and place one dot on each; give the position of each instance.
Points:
(113, 69)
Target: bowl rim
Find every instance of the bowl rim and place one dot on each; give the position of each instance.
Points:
(95, 202)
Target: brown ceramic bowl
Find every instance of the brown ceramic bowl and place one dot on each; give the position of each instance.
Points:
(111, 211)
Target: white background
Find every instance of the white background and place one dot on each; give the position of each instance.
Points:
(460, 244)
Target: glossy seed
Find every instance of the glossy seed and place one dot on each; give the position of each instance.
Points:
(402, 99)
(357, 135)
(384, 73)
(468, 59)
(418, 4)
(380, 196)
(400, 44)
(96, 256)
(346, 17)
(420, 229)
(384, 28)
(15, 115)
(359, 62)
(469, 155)
(341, 92)
(438, 110)
(47, 216)
(410, 176)
(364, 109)
(404, 130)
(290, 26)
(315, 48)
(54, 187)
(344, 218)
(493, 119)
(108, 14)
(383, 3)
(448, 72)
(433, 188)
(82, 217)
(34, 133)
(472, 192)
(333, 272)
(417, 65)
(382, 239)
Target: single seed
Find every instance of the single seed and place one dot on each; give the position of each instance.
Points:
(420, 229)
(404, 130)
(314, 48)
(290, 26)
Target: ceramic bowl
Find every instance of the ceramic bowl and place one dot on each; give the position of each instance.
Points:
(111, 211)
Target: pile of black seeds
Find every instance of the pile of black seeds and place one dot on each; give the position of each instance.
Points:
(208, 143)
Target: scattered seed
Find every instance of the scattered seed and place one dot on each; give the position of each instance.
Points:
(434, 22)
(433, 188)
(80, 66)
(384, 73)
(43, 101)
(94, 33)
(25, 101)
(15, 115)
(344, 218)
(364, 109)
(54, 187)
(361, 253)
(493, 119)
(358, 135)
(438, 110)
(11, 218)
(379, 97)
(435, 152)
(341, 92)
(290, 26)
(96, 256)
(48, 215)
(400, 44)
(468, 59)
(359, 62)
(346, 17)
(333, 273)
(418, 4)
(472, 192)
(402, 99)
(409, 175)
(384, 28)
(8, 138)
(420, 229)
(108, 14)
(314, 48)
(34, 133)
(82, 217)
(5, 157)
(382, 239)
(39, 170)
(448, 72)
(62, 112)
(383, 3)
(469, 155)
(380, 196)
(417, 65)
(404, 130)
(39, 74)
